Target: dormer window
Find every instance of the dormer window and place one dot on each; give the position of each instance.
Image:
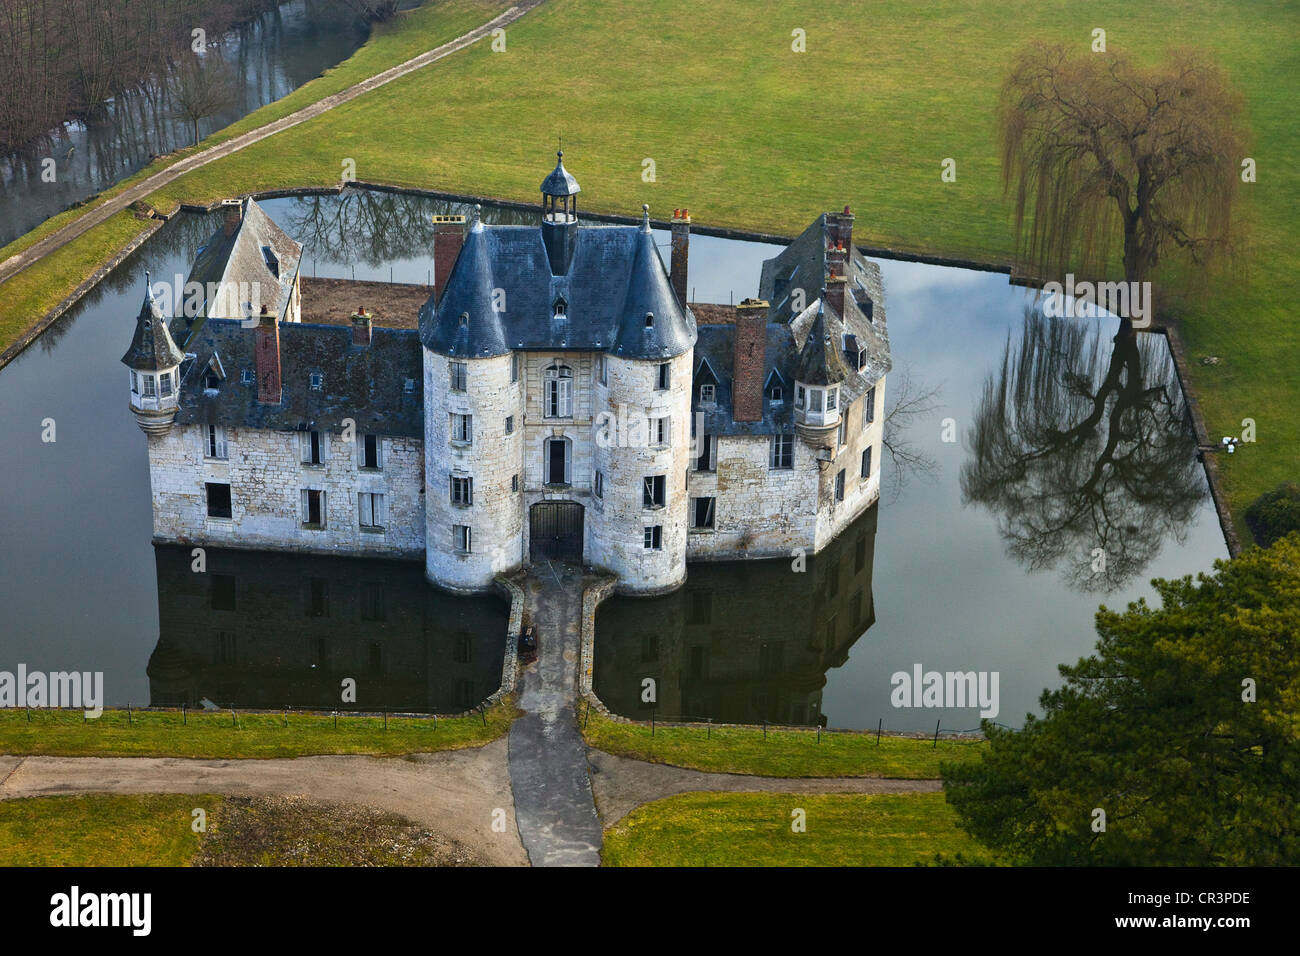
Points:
(272, 260)
(246, 376)
(560, 308)
(211, 380)
(775, 395)
(708, 394)
(316, 380)
(649, 320)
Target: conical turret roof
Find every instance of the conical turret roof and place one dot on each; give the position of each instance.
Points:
(820, 361)
(152, 347)
(652, 322)
(466, 323)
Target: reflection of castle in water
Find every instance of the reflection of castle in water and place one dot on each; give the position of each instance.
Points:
(269, 630)
(742, 642)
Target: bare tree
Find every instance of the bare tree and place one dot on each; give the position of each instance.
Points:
(1103, 157)
(371, 10)
(910, 401)
(199, 88)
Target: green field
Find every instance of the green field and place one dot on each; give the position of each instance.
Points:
(783, 753)
(219, 735)
(101, 829)
(756, 829)
(749, 134)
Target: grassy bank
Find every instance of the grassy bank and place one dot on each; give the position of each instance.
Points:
(755, 829)
(101, 829)
(218, 735)
(784, 753)
(750, 134)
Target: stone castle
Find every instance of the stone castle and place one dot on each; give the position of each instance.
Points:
(555, 397)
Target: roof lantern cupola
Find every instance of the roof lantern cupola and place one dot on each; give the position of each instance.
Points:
(560, 216)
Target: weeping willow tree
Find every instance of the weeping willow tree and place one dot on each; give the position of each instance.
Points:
(1104, 157)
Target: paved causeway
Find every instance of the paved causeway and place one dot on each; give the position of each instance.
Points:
(554, 807)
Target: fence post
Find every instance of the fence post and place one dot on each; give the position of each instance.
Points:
(336, 720)
(128, 713)
(435, 722)
(234, 721)
(483, 713)
(819, 733)
(880, 724)
(708, 728)
(385, 720)
(936, 734)
(284, 717)
(184, 715)
(652, 721)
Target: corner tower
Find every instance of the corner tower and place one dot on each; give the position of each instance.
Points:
(154, 361)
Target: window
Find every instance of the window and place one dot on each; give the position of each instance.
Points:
(557, 462)
(374, 603)
(649, 320)
(839, 485)
(460, 538)
(652, 491)
(458, 376)
(408, 386)
(702, 512)
(514, 367)
(664, 379)
(843, 434)
(221, 593)
(135, 383)
(371, 452)
(211, 380)
(862, 358)
(814, 399)
(654, 538)
(316, 380)
(165, 383)
(782, 451)
(462, 490)
(866, 463)
(514, 482)
(215, 444)
(869, 408)
(150, 386)
(799, 396)
(706, 460)
(218, 500)
(226, 648)
(559, 392)
(708, 394)
(601, 373)
(559, 308)
(832, 396)
(317, 594)
(376, 657)
(371, 510)
(510, 424)
(462, 428)
(659, 431)
(313, 447)
(246, 376)
(313, 508)
(598, 485)
(775, 395)
(859, 555)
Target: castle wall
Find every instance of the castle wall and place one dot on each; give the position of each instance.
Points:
(859, 493)
(267, 476)
(492, 459)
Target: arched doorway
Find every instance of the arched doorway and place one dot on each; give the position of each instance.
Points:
(555, 531)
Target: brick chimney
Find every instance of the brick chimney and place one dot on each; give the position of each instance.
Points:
(677, 268)
(835, 295)
(232, 215)
(361, 326)
(267, 352)
(837, 259)
(749, 361)
(448, 237)
(839, 227)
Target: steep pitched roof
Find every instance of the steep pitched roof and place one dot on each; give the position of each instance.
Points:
(257, 251)
(152, 347)
(616, 276)
(820, 359)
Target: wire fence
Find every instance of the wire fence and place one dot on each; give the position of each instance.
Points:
(133, 713)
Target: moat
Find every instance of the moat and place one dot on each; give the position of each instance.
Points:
(953, 570)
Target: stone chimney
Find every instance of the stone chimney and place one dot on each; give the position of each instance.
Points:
(448, 237)
(233, 214)
(267, 352)
(677, 269)
(749, 360)
(361, 326)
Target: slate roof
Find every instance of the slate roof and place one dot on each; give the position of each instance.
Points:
(821, 359)
(615, 278)
(367, 385)
(239, 257)
(152, 347)
(802, 264)
(560, 182)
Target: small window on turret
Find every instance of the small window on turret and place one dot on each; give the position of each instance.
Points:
(150, 387)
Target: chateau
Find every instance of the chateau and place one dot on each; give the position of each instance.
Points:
(555, 397)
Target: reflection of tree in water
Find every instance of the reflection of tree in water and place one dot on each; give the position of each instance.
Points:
(1082, 443)
(373, 227)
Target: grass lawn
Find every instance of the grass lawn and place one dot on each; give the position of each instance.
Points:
(754, 829)
(749, 134)
(102, 829)
(785, 753)
(215, 735)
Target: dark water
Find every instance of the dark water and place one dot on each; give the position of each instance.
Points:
(271, 56)
(981, 563)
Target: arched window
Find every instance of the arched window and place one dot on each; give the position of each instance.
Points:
(558, 397)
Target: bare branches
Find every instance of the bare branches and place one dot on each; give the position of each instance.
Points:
(910, 401)
(1105, 158)
(199, 88)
